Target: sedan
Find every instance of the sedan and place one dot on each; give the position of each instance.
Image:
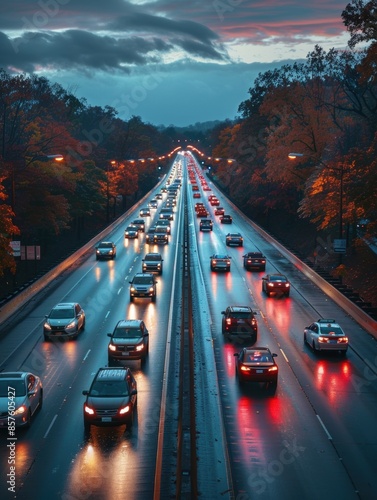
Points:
(275, 283)
(131, 231)
(219, 211)
(326, 335)
(21, 395)
(106, 250)
(145, 212)
(234, 239)
(257, 364)
(226, 219)
(65, 320)
(140, 224)
(220, 262)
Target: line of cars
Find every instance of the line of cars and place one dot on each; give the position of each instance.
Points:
(111, 399)
(254, 363)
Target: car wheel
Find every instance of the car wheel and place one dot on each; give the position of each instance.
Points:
(228, 269)
(343, 353)
(287, 294)
(305, 339)
(131, 298)
(86, 428)
(111, 362)
(268, 293)
(46, 338)
(83, 325)
(130, 420)
(153, 298)
(313, 347)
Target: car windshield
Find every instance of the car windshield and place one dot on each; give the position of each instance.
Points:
(62, 313)
(127, 333)
(152, 257)
(278, 278)
(331, 330)
(109, 388)
(143, 281)
(9, 385)
(258, 357)
(105, 245)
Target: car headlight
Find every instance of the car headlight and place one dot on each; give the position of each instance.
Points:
(20, 410)
(71, 326)
(151, 289)
(132, 289)
(47, 326)
(112, 347)
(140, 347)
(88, 410)
(124, 410)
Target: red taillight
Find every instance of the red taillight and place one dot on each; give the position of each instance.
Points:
(273, 369)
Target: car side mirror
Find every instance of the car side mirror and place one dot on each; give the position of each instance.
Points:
(109, 334)
(85, 393)
(31, 393)
(133, 392)
(222, 312)
(236, 354)
(274, 355)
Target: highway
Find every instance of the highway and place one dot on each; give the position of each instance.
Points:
(315, 438)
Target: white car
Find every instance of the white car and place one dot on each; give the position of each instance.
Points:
(326, 335)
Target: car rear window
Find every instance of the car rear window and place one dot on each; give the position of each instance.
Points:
(331, 330)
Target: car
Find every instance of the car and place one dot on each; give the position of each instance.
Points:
(161, 235)
(257, 364)
(129, 341)
(111, 399)
(166, 213)
(206, 225)
(153, 204)
(197, 195)
(158, 196)
(145, 212)
(275, 283)
(65, 321)
(254, 260)
(326, 335)
(131, 231)
(234, 239)
(226, 219)
(220, 262)
(21, 395)
(106, 250)
(140, 224)
(239, 322)
(165, 223)
(202, 213)
(143, 285)
(219, 211)
(152, 262)
(215, 201)
(206, 188)
(150, 235)
(199, 206)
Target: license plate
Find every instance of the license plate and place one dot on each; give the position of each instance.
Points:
(259, 371)
(125, 353)
(106, 419)
(333, 341)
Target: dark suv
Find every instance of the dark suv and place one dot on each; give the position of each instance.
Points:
(239, 323)
(143, 285)
(128, 341)
(111, 399)
(152, 262)
(65, 320)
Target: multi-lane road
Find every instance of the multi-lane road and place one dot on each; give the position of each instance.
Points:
(315, 438)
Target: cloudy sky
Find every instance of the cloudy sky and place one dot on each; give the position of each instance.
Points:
(168, 61)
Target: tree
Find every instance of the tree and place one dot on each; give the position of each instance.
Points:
(7, 231)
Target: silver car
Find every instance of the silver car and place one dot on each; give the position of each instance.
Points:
(65, 320)
(21, 395)
(326, 335)
(106, 250)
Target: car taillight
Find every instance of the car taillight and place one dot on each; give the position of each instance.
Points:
(244, 368)
(228, 321)
(343, 340)
(273, 369)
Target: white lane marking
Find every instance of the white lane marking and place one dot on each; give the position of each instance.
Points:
(86, 355)
(107, 314)
(324, 428)
(49, 428)
(285, 357)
